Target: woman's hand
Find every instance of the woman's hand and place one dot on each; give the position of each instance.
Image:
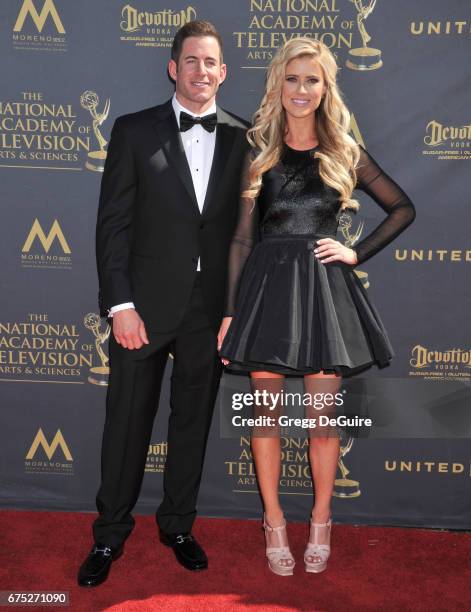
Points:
(222, 334)
(332, 250)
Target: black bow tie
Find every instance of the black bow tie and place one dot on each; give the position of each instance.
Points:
(187, 121)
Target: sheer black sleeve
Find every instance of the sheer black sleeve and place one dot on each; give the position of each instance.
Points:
(243, 240)
(390, 197)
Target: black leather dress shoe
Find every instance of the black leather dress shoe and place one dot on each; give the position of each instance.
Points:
(94, 570)
(187, 550)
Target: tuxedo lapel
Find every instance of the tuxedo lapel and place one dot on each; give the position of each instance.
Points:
(169, 135)
(222, 151)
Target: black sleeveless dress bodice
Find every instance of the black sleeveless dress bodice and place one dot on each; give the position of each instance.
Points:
(294, 200)
(293, 314)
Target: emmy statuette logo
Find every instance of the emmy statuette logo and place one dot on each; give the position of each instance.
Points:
(364, 57)
(345, 222)
(345, 487)
(89, 101)
(99, 374)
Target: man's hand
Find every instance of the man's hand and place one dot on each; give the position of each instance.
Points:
(129, 330)
(222, 334)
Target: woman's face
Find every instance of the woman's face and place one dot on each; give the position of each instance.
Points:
(303, 87)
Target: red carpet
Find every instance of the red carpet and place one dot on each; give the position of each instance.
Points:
(370, 568)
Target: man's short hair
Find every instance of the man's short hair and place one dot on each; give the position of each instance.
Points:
(197, 29)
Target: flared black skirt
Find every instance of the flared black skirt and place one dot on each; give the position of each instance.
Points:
(296, 315)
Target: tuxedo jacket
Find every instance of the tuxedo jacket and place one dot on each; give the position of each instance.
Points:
(150, 231)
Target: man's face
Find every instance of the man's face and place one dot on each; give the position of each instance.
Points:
(199, 72)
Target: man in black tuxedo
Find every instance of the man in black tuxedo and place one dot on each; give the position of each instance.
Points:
(168, 207)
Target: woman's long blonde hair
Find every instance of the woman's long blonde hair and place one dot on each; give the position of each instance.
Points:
(338, 153)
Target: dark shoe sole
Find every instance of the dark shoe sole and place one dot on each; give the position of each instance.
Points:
(191, 567)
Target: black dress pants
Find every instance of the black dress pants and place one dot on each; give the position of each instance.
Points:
(132, 401)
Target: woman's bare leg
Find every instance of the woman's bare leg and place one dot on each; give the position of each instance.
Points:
(324, 445)
(266, 451)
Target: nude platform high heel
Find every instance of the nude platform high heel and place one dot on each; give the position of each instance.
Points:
(280, 559)
(316, 554)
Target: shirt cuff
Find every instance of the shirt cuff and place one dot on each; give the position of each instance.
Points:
(119, 307)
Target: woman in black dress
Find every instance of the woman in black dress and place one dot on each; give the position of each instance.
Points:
(294, 303)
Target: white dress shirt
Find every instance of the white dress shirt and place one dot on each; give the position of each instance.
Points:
(198, 145)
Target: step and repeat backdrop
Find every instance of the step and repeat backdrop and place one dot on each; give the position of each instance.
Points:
(68, 70)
